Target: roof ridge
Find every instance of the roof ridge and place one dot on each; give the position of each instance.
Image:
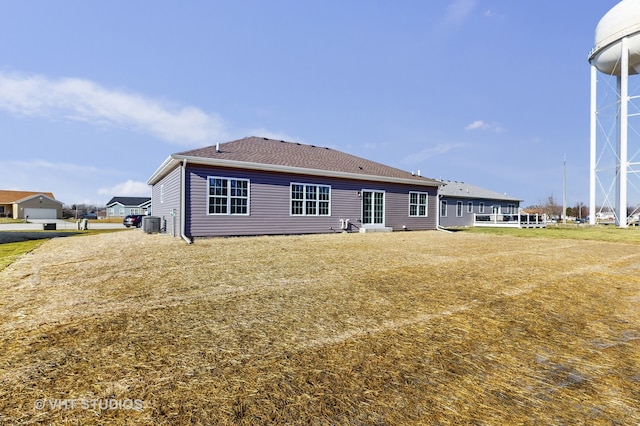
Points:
(295, 157)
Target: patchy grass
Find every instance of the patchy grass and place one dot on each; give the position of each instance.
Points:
(401, 328)
(596, 233)
(9, 252)
(14, 244)
(10, 220)
(114, 219)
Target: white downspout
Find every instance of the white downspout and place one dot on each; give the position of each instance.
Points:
(183, 201)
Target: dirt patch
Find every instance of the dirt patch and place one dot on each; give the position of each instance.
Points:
(399, 328)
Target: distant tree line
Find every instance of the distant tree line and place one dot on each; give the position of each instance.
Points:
(80, 211)
(553, 209)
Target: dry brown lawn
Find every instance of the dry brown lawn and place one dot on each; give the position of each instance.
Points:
(402, 328)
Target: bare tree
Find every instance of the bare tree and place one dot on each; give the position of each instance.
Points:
(551, 208)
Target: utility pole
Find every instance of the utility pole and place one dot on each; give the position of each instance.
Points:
(564, 190)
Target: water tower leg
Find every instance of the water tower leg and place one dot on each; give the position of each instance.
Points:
(593, 150)
(623, 122)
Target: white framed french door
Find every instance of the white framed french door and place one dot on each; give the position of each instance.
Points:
(372, 208)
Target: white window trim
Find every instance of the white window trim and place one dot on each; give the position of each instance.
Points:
(229, 197)
(469, 206)
(418, 204)
(459, 209)
(304, 199)
(481, 208)
(445, 204)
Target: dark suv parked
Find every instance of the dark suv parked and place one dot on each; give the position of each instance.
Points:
(133, 220)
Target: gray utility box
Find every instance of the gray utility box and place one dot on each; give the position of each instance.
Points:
(151, 224)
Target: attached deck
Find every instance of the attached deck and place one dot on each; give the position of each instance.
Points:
(519, 220)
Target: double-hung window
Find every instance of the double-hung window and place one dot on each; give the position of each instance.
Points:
(418, 204)
(459, 209)
(310, 200)
(228, 196)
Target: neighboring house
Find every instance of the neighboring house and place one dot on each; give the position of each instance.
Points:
(256, 186)
(29, 205)
(461, 203)
(124, 206)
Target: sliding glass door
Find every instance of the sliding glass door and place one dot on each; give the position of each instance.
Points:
(372, 208)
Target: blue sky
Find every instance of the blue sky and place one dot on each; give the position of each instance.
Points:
(95, 95)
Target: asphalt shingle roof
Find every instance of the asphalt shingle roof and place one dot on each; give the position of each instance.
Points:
(464, 190)
(129, 201)
(8, 197)
(291, 154)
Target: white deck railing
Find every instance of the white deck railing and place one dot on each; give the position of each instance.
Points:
(514, 220)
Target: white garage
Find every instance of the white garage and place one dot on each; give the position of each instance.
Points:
(36, 213)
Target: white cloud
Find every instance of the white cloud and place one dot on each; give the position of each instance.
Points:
(42, 165)
(483, 125)
(456, 14)
(82, 100)
(130, 188)
(70, 183)
(459, 11)
(432, 151)
(478, 124)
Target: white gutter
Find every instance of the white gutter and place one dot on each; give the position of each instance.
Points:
(183, 201)
(162, 170)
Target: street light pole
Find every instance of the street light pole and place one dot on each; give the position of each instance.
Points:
(564, 190)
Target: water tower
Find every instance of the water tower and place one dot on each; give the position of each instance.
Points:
(616, 53)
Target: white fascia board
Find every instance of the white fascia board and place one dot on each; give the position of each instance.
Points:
(30, 197)
(480, 197)
(177, 159)
(164, 168)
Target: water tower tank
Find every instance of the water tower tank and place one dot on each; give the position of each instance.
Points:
(623, 20)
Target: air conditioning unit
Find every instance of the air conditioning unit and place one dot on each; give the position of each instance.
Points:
(150, 224)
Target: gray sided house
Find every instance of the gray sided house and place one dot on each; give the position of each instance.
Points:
(460, 203)
(259, 186)
(124, 206)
